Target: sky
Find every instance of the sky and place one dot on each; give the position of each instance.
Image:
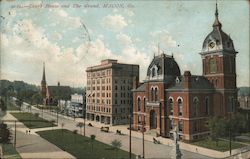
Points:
(70, 36)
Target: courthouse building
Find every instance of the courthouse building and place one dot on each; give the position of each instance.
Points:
(108, 93)
(168, 98)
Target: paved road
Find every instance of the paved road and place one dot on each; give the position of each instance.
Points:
(151, 150)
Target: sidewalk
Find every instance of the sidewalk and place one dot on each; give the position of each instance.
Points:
(32, 145)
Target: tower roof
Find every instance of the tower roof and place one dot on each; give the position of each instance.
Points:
(217, 39)
(162, 67)
(217, 24)
(44, 77)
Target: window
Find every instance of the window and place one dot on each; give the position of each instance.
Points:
(139, 104)
(195, 126)
(212, 65)
(139, 119)
(152, 94)
(171, 106)
(144, 104)
(207, 106)
(153, 72)
(180, 126)
(180, 106)
(195, 106)
(171, 124)
(156, 94)
(230, 104)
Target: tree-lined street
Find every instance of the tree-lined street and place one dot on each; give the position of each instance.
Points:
(151, 150)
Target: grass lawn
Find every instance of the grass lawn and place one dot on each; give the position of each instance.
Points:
(222, 145)
(80, 146)
(32, 121)
(10, 152)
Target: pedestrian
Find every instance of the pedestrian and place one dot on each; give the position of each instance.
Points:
(29, 131)
(26, 131)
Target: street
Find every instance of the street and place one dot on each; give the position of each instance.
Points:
(151, 150)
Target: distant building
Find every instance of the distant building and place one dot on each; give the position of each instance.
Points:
(77, 105)
(108, 93)
(244, 102)
(167, 99)
(51, 94)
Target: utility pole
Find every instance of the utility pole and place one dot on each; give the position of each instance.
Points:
(230, 135)
(57, 115)
(143, 145)
(15, 136)
(130, 154)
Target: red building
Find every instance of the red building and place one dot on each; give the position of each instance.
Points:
(51, 94)
(167, 98)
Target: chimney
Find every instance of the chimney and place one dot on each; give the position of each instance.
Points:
(135, 82)
(187, 79)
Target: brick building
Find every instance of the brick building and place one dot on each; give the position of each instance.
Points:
(108, 94)
(166, 98)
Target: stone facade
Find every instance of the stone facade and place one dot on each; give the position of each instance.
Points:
(108, 93)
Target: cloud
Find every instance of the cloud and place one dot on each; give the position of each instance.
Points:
(114, 22)
(134, 56)
(164, 38)
(124, 39)
(129, 12)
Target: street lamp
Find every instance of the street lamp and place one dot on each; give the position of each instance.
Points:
(130, 154)
(143, 145)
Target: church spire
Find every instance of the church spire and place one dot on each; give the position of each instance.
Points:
(44, 78)
(217, 23)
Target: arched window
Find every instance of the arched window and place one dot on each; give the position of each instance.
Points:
(180, 106)
(171, 124)
(207, 106)
(139, 104)
(171, 106)
(156, 94)
(153, 72)
(144, 105)
(212, 65)
(195, 106)
(230, 104)
(152, 94)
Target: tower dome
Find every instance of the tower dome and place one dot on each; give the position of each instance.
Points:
(217, 39)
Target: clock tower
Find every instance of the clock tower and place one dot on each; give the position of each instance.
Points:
(219, 65)
(218, 57)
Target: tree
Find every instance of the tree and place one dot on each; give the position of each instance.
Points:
(217, 128)
(237, 123)
(3, 106)
(36, 115)
(92, 137)
(36, 98)
(117, 145)
(5, 135)
(75, 132)
(80, 125)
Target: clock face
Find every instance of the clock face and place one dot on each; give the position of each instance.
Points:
(211, 45)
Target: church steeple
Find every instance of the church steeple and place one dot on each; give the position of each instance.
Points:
(43, 78)
(217, 23)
